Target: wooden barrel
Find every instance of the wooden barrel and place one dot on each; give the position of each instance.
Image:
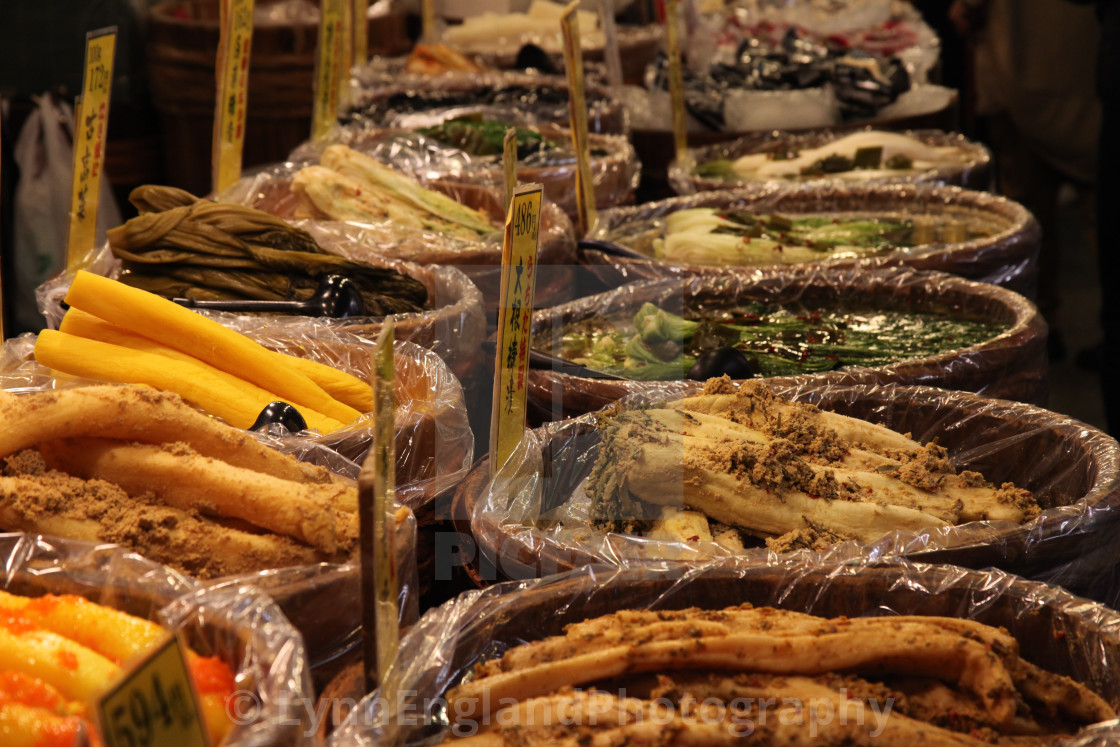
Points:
(182, 51)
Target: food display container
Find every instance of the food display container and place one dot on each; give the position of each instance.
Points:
(480, 260)
(383, 95)
(236, 622)
(532, 519)
(615, 170)
(973, 168)
(1008, 257)
(1055, 630)
(1011, 365)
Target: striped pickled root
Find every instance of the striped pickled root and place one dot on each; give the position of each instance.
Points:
(898, 648)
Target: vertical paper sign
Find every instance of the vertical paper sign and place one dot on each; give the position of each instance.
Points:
(577, 110)
(676, 81)
(377, 523)
(515, 310)
(90, 128)
(325, 107)
(361, 31)
(234, 45)
(509, 166)
(154, 704)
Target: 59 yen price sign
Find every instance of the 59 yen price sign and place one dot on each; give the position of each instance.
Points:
(154, 705)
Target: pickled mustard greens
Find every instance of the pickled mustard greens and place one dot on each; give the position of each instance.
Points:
(776, 341)
(706, 236)
(485, 138)
(480, 137)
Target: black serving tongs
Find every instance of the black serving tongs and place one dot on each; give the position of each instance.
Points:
(544, 361)
(336, 296)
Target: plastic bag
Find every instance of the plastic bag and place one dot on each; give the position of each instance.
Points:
(1011, 365)
(384, 95)
(45, 155)
(974, 171)
(453, 327)
(1056, 630)
(615, 170)
(1008, 257)
(269, 190)
(1072, 469)
(237, 623)
(434, 447)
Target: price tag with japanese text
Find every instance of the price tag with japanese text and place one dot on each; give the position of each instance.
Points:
(90, 128)
(515, 310)
(327, 68)
(234, 44)
(154, 705)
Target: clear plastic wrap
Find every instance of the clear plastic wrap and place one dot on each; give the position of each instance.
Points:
(434, 443)
(1012, 365)
(1008, 257)
(434, 447)
(269, 190)
(974, 171)
(238, 623)
(453, 328)
(1057, 631)
(383, 95)
(615, 170)
(1072, 469)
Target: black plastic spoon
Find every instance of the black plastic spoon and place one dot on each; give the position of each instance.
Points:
(336, 296)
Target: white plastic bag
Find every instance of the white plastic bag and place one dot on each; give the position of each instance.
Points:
(45, 158)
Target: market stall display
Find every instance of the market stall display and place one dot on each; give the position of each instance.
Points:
(383, 95)
(468, 149)
(971, 234)
(537, 514)
(508, 634)
(864, 156)
(224, 253)
(95, 606)
(371, 235)
(888, 325)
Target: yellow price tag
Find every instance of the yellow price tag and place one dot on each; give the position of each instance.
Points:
(154, 705)
(377, 522)
(515, 311)
(676, 81)
(234, 46)
(90, 130)
(327, 68)
(577, 111)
